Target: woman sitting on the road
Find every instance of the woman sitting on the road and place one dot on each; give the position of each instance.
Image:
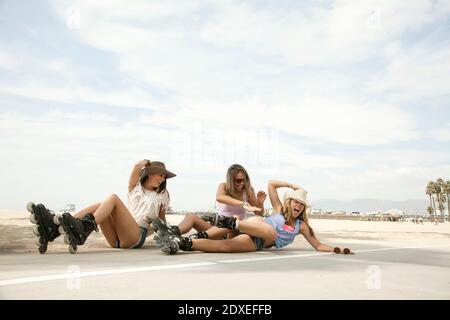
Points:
(236, 198)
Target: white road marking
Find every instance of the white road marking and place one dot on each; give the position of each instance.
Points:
(103, 273)
(321, 254)
(184, 265)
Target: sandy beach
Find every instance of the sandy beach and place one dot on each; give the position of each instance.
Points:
(404, 252)
(16, 235)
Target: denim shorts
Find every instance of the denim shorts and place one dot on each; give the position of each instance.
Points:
(141, 241)
(259, 243)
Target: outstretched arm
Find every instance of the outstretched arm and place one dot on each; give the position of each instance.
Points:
(222, 197)
(273, 194)
(307, 232)
(134, 177)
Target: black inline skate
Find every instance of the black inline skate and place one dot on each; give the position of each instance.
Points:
(75, 230)
(169, 240)
(220, 221)
(199, 235)
(45, 229)
(159, 224)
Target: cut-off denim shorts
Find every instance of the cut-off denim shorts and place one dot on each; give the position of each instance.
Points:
(141, 241)
(259, 243)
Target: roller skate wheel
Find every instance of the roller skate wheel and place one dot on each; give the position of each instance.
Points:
(174, 248)
(42, 249)
(154, 227)
(39, 241)
(66, 239)
(33, 219)
(56, 219)
(73, 249)
(61, 230)
(36, 230)
(30, 206)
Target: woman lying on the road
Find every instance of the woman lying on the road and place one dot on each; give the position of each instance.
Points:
(280, 229)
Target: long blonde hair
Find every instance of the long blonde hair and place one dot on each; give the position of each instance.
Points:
(232, 172)
(289, 217)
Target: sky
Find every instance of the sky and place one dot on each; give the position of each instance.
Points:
(348, 99)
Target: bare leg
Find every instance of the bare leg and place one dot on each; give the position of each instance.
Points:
(112, 213)
(107, 226)
(109, 231)
(85, 211)
(216, 233)
(241, 243)
(258, 227)
(193, 221)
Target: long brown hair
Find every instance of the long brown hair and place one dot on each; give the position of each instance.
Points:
(289, 217)
(232, 172)
(144, 176)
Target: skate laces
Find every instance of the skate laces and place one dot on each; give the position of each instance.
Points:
(90, 219)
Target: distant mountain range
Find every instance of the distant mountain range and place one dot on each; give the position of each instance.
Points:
(368, 205)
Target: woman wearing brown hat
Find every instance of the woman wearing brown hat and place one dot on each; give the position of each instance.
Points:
(288, 220)
(124, 226)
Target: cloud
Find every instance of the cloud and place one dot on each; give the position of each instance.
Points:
(344, 122)
(344, 31)
(8, 61)
(442, 133)
(412, 73)
(314, 93)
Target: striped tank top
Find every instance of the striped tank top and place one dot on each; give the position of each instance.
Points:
(285, 233)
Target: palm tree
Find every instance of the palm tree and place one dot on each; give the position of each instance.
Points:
(447, 193)
(429, 191)
(441, 196)
(430, 211)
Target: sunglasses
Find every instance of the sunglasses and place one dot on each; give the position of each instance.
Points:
(239, 180)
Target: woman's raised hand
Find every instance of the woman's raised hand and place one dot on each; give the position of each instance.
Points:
(293, 186)
(261, 197)
(142, 163)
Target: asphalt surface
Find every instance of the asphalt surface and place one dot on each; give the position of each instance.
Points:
(377, 270)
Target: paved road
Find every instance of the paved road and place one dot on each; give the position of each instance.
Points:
(376, 271)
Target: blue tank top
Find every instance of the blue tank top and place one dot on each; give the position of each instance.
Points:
(285, 234)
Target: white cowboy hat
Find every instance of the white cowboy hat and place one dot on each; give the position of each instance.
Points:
(299, 195)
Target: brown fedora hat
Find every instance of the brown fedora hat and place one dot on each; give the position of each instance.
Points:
(158, 167)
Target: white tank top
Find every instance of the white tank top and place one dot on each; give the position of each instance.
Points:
(230, 210)
(143, 203)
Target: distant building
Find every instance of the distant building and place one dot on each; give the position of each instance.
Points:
(337, 213)
(68, 208)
